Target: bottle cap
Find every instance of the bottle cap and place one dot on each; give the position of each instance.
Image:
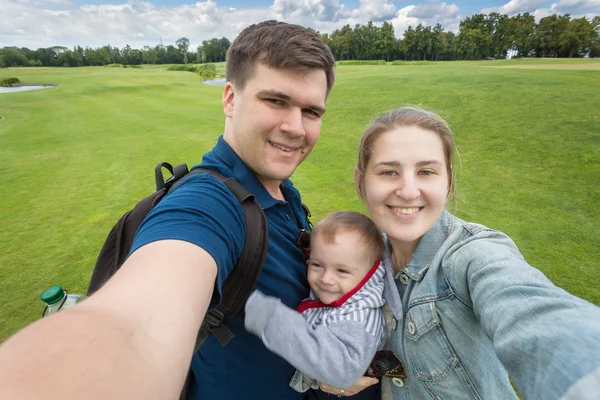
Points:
(52, 295)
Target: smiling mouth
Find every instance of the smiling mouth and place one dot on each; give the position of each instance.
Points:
(325, 290)
(406, 210)
(283, 148)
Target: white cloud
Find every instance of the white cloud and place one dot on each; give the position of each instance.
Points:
(577, 8)
(320, 10)
(137, 24)
(44, 23)
(374, 10)
(446, 15)
(402, 21)
(438, 11)
(515, 7)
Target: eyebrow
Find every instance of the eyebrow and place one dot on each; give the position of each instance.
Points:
(285, 97)
(399, 164)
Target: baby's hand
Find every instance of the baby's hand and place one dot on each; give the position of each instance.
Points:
(259, 309)
(360, 385)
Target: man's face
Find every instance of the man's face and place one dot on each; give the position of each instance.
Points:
(274, 122)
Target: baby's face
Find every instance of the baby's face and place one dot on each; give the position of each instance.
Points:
(335, 269)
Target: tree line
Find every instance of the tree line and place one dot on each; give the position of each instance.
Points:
(480, 36)
(209, 51)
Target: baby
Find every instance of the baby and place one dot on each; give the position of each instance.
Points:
(333, 335)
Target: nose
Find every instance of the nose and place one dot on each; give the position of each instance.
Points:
(409, 189)
(327, 278)
(293, 122)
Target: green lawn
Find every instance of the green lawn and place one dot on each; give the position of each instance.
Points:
(76, 156)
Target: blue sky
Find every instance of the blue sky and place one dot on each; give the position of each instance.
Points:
(44, 23)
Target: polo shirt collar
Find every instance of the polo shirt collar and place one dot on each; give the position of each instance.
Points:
(245, 175)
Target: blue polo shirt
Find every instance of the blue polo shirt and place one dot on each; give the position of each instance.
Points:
(204, 212)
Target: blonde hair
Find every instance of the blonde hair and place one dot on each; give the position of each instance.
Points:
(405, 116)
(349, 221)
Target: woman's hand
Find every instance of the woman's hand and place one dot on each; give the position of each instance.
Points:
(360, 385)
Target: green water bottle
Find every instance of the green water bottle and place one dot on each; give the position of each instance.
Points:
(56, 299)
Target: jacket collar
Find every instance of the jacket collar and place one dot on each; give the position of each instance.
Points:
(420, 261)
(428, 246)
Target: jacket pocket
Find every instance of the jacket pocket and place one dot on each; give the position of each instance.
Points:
(430, 352)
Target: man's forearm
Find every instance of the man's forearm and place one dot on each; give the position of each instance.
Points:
(133, 339)
(84, 352)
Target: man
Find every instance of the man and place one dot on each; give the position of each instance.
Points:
(134, 338)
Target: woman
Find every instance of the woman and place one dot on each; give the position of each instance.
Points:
(468, 311)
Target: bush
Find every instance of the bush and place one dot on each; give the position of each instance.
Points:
(206, 71)
(362, 62)
(132, 66)
(8, 82)
(206, 75)
(398, 62)
(208, 67)
(183, 67)
(116, 65)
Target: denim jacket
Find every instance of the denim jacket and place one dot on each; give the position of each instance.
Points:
(469, 311)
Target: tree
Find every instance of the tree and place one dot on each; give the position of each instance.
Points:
(475, 37)
(224, 45)
(46, 56)
(548, 34)
(523, 33)
(150, 55)
(386, 40)
(595, 40)
(410, 43)
(183, 44)
(172, 55)
(577, 38)
(502, 34)
(69, 58)
(12, 57)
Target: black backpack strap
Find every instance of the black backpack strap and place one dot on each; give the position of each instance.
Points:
(241, 280)
(177, 172)
(307, 215)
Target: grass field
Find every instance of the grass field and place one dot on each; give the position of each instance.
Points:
(76, 156)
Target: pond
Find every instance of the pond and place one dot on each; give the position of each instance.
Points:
(215, 82)
(23, 88)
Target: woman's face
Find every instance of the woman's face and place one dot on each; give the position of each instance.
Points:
(406, 182)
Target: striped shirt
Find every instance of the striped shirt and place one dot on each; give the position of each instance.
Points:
(363, 305)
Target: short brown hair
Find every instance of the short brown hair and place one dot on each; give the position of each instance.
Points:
(405, 116)
(349, 221)
(281, 46)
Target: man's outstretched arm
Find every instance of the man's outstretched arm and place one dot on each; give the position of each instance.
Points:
(133, 338)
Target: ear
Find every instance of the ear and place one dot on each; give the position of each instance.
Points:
(228, 99)
(356, 177)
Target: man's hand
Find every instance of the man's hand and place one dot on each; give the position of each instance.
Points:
(133, 339)
(360, 385)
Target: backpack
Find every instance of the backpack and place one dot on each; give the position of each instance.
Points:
(240, 282)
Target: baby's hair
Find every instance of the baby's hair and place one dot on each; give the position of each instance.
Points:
(349, 221)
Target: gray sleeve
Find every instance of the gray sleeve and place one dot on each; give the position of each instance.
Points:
(337, 354)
